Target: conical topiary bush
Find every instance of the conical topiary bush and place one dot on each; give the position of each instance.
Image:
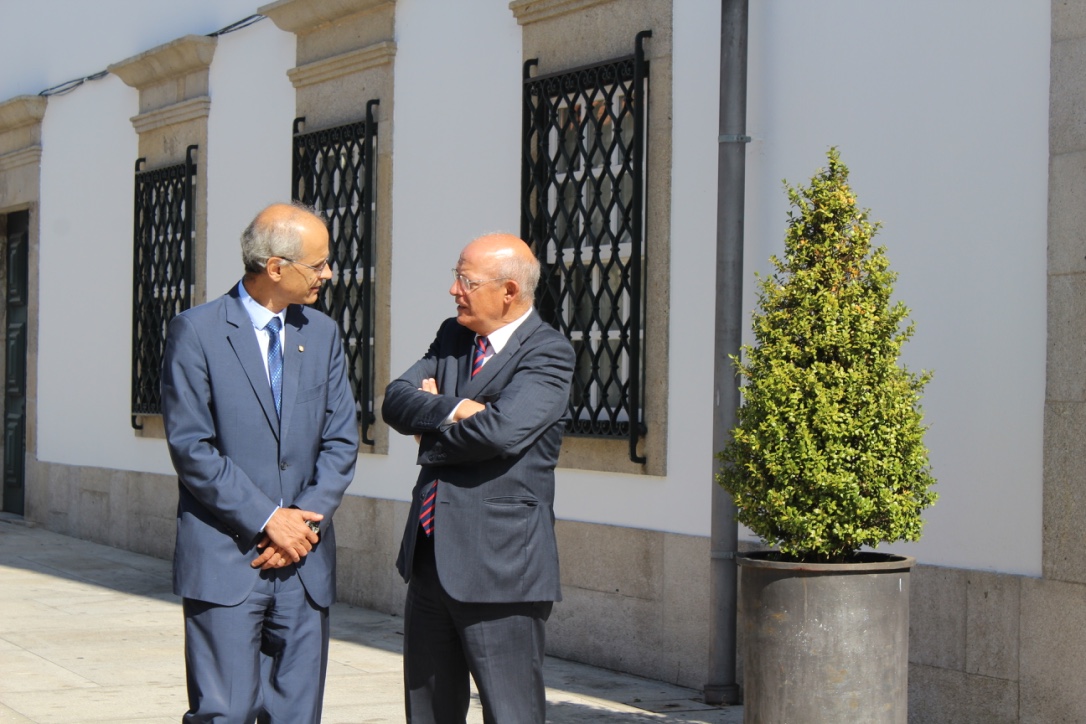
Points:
(828, 453)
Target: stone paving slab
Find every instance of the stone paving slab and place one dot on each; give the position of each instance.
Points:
(92, 634)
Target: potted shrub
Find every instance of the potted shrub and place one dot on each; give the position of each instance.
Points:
(827, 458)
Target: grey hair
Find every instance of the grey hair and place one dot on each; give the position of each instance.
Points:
(263, 238)
(524, 271)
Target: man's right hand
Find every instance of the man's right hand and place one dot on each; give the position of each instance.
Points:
(288, 531)
(466, 409)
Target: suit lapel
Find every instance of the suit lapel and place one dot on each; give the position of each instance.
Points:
(242, 339)
(293, 351)
(459, 363)
(494, 365)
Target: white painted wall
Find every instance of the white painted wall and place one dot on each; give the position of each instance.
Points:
(679, 502)
(249, 140)
(85, 282)
(86, 235)
(940, 109)
(53, 41)
(456, 175)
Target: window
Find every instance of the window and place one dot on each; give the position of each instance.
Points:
(582, 210)
(162, 273)
(333, 171)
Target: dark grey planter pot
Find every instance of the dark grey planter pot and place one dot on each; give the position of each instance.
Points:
(825, 643)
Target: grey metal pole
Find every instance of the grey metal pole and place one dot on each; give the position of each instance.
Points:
(722, 687)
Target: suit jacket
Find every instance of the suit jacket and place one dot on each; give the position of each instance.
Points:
(235, 460)
(494, 516)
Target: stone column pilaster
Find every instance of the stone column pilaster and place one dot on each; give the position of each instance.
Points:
(345, 55)
(20, 151)
(172, 81)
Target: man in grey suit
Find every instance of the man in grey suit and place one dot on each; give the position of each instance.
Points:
(261, 427)
(488, 403)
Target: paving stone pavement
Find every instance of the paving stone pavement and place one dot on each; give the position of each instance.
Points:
(90, 633)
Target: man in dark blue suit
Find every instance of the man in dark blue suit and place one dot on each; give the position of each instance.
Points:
(488, 403)
(261, 427)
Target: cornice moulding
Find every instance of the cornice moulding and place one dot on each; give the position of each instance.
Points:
(21, 111)
(189, 110)
(340, 65)
(174, 59)
(29, 156)
(533, 11)
(302, 16)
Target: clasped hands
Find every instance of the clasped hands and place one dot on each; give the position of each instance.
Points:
(287, 538)
(463, 411)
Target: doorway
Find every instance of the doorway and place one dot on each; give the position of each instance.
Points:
(16, 299)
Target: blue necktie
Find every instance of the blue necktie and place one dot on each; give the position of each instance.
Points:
(275, 362)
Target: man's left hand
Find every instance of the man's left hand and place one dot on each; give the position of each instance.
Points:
(270, 557)
(289, 532)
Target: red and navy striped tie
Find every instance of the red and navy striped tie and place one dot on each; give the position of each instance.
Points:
(481, 343)
(426, 514)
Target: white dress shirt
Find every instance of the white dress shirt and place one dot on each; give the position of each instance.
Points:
(260, 316)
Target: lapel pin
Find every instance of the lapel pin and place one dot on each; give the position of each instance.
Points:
(301, 348)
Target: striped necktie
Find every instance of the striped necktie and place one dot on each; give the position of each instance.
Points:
(426, 512)
(481, 345)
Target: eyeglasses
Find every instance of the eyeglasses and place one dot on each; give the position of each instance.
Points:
(470, 285)
(319, 268)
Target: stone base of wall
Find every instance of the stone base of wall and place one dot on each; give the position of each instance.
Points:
(988, 648)
(635, 600)
(983, 647)
(368, 532)
(963, 646)
(120, 508)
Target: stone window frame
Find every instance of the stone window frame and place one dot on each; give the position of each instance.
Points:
(582, 209)
(553, 34)
(345, 57)
(346, 200)
(174, 104)
(163, 249)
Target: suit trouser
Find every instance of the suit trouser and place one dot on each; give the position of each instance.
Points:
(501, 646)
(262, 660)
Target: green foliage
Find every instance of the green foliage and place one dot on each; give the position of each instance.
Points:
(828, 454)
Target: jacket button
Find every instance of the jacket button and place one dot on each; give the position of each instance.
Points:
(282, 466)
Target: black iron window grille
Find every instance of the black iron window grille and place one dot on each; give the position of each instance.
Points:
(162, 271)
(334, 172)
(582, 210)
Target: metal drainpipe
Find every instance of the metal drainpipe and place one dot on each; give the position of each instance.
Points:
(731, 178)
